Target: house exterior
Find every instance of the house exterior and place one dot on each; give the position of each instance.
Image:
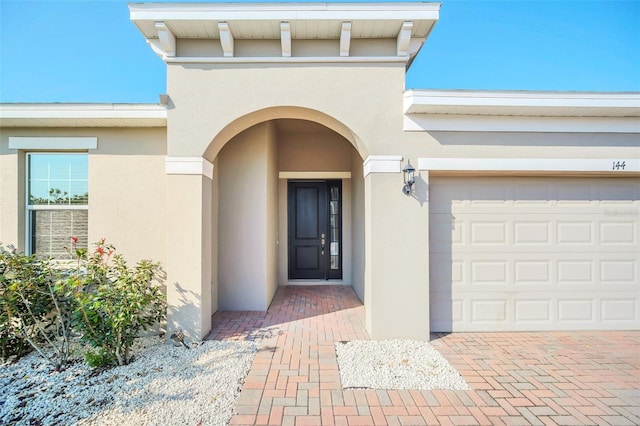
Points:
(277, 155)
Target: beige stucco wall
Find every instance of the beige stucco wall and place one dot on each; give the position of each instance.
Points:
(271, 211)
(11, 194)
(273, 48)
(313, 149)
(523, 144)
(362, 102)
(189, 267)
(214, 237)
(127, 205)
(247, 220)
(357, 226)
(127, 201)
(396, 259)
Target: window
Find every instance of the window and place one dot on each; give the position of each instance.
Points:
(57, 202)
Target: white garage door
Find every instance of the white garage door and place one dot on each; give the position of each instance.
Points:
(534, 253)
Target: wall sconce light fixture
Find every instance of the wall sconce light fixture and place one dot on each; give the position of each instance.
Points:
(408, 173)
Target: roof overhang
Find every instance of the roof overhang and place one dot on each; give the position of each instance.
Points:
(522, 103)
(522, 111)
(227, 24)
(83, 115)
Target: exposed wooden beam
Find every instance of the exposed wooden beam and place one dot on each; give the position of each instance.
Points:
(285, 38)
(226, 39)
(404, 38)
(345, 39)
(166, 38)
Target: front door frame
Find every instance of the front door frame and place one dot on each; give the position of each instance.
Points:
(347, 225)
(324, 244)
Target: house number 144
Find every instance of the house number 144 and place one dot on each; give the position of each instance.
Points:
(618, 165)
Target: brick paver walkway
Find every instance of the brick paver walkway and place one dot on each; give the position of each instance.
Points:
(566, 378)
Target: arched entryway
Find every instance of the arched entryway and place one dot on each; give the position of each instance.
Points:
(288, 208)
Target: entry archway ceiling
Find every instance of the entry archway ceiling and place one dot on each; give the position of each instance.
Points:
(358, 31)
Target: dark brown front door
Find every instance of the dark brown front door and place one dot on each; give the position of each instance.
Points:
(315, 237)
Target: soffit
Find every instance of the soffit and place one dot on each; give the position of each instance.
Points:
(262, 20)
(323, 29)
(164, 24)
(83, 115)
(522, 103)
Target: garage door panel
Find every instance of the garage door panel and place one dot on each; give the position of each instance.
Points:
(570, 261)
(537, 270)
(619, 310)
(533, 310)
(573, 309)
(620, 271)
(533, 232)
(522, 312)
(488, 232)
(619, 232)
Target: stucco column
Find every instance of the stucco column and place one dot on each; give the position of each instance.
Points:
(11, 202)
(397, 253)
(189, 270)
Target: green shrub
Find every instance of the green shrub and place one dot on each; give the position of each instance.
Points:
(98, 358)
(12, 342)
(35, 314)
(113, 302)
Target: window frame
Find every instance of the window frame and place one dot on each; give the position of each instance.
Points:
(28, 207)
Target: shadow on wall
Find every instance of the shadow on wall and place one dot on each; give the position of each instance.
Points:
(184, 315)
(420, 190)
(441, 228)
(533, 139)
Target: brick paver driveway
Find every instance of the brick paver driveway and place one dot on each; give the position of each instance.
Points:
(567, 378)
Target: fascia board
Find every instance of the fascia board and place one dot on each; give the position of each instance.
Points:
(283, 11)
(83, 111)
(285, 59)
(414, 99)
(518, 124)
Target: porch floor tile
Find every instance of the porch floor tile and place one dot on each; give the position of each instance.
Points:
(516, 378)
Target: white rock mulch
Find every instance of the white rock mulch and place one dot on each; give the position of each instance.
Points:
(395, 364)
(164, 385)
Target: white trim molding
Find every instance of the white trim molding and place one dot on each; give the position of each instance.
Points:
(519, 124)
(382, 164)
(314, 175)
(613, 165)
(285, 59)
(188, 166)
(140, 12)
(523, 103)
(521, 111)
(83, 115)
(67, 143)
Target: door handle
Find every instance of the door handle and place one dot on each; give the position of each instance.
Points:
(322, 243)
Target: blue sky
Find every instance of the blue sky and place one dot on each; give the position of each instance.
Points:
(89, 51)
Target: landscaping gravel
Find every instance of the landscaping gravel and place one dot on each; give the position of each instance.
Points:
(395, 364)
(164, 385)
